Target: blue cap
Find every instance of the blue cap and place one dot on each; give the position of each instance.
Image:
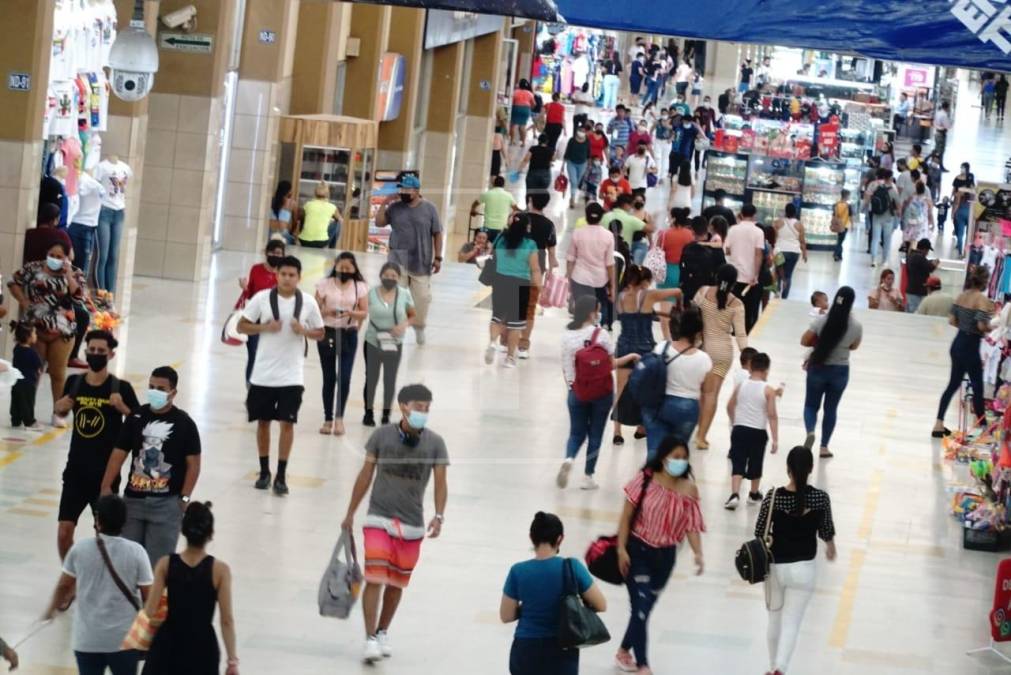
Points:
(409, 182)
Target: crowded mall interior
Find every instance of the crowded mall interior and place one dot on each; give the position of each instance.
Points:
(690, 336)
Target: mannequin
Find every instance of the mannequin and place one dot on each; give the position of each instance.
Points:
(114, 175)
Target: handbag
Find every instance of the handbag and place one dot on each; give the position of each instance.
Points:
(602, 556)
(489, 271)
(754, 557)
(702, 143)
(651, 179)
(342, 580)
(578, 625)
(230, 334)
(555, 292)
(656, 260)
(142, 632)
(561, 183)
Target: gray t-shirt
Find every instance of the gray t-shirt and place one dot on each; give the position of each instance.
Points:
(411, 237)
(102, 615)
(402, 473)
(840, 356)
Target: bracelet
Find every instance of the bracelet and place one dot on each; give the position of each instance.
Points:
(233, 662)
(438, 258)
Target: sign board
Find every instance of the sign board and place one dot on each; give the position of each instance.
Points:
(194, 43)
(268, 37)
(485, 85)
(19, 82)
(390, 93)
(1000, 615)
(444, 28)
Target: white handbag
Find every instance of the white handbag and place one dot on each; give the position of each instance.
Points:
(656, 260)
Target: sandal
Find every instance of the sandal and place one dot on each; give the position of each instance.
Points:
(326, 429)
(945, 431)
(338, 428)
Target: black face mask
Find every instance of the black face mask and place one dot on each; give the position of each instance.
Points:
(346, 276)
(406, 198)
(274, 260)
(639, 205)
(389, 284)
(97, 362)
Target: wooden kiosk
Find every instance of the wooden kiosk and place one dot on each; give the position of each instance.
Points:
(340, 151)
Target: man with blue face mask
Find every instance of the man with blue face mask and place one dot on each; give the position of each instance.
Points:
(402, 457)
(165, 447)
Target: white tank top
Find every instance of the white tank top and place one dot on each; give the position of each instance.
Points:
(682, 196)
(787, 239)
(751, 407)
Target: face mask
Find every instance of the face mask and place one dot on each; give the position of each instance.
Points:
(639, 205)
(417, 419)
(706, 102)
(346, 276)
(274, 260)
(580, 135)
(388, 284)
(675, 467)
(157, 398)
(406, 198)
(55, 264)
(97, 362)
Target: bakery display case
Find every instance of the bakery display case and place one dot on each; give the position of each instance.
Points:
(726, 171)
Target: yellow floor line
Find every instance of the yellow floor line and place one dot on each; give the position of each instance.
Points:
(844, 615)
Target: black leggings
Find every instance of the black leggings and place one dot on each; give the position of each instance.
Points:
(337, 352)
(1001, 102)
(965, 360)
(376, 358)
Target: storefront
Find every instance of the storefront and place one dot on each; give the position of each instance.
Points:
(569, 56)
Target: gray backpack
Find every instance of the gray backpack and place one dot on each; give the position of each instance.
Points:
(342, 580)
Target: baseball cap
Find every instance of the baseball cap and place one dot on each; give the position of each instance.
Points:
(409, 182)
(924, 245)
(934, 282)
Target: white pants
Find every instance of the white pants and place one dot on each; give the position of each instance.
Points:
(790, 587)
(661, 149)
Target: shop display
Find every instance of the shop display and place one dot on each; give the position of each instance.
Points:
(770, 205)
(768, 173)
(726, 172)
(568, 57)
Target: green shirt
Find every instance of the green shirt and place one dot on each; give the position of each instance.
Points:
(383, 316)
(318, 214)
(514, 262)
(629, 223)
(497, 206)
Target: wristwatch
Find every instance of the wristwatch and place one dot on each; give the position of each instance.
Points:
(438, 258)
(440, 518)
(185, 499)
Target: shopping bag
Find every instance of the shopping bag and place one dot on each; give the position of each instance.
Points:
(144, 627)
(561, 183)
(230, 334)
(656, 260)
(514, 176)
(651, 179)
(342, 579)
(555, 292)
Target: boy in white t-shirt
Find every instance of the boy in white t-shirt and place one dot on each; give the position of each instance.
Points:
(752, 408)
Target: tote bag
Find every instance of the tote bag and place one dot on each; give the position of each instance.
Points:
(578, 625)
(555, 292)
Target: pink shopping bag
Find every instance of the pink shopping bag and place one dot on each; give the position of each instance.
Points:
(555, 292)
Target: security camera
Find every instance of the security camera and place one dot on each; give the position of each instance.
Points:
(134, 61)
(185, 18)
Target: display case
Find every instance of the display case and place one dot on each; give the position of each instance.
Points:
(823, 186)
(772, 184)
(726, 171)
(338, 151)
(731, 203)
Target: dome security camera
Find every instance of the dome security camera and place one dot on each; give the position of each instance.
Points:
(134, 62)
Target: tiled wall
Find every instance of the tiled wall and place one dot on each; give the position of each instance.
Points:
(20, 168)
(177, 195)
(435, 169)
(474, 169)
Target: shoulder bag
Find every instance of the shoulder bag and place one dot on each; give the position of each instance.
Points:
(578, 625)
(656, 259)
(602, 556)
(490, 270)
(130, 597)
(755, 556)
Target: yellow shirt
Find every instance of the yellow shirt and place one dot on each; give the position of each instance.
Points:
(318, 214)
(842, 214)
(913, 163)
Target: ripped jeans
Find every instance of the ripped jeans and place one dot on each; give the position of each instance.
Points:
(648, 574)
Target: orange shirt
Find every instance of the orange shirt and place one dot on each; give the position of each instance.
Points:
(673, 242)
(609, 191)
(523, 98)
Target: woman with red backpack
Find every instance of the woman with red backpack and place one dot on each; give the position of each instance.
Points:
(587, 362)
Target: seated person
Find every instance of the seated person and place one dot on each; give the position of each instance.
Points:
(472, 250)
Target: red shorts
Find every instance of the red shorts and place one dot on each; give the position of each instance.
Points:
(389, 560)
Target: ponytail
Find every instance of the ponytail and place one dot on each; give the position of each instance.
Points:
(632, 277)
(800, 463)
(726, 277)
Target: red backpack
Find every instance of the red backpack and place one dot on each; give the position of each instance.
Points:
(593, 371)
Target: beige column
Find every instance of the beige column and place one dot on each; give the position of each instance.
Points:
(370, 28)
(320, 46)
(444, 101)
(524, 36)
(185, 118)
(478, 126)
(262, 96)
(407, 37)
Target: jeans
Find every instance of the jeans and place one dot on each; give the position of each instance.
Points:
(120, 663)
(154, 523)
(913, 302)
(337, 352)
(110, 230)
(881, 236)
(940, 142)
(575, 172)
(961, 219)
(652, 91)
(987, 103)
(82, 237)
(611, 83)
(790, 263)
(285, 235)
(840, 237)
(639, 250)
(251, 344)
(791, 586)
(965, 360)
(648, 572)
(752, 299)
(828, 382)
(676, 416)
(587, 420)
(542, 656)
(377, 358)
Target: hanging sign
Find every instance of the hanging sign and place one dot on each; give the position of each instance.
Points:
(268, 37)
(390, 93)
(194, 43)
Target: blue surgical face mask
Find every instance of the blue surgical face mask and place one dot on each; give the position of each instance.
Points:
(675, 467)
(417, 419)
(55, 264)
(157, 398)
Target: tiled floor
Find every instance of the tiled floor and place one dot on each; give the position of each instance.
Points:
(903, 597)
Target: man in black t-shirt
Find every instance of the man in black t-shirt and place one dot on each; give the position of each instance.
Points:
(718, 209)
(542, 231)
(98, 401)
(164, 444)
(699, 261)
(918, 269)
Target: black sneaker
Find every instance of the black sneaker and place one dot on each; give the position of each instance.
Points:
(754, 497)
(280, 487)
(386, 417)
(263, 482)
(370, 419)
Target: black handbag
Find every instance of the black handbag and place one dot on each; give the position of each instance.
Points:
(755, 556)
(489, 271)
(602, 556)
(578, 625)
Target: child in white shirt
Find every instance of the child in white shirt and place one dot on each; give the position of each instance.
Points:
(751, 409)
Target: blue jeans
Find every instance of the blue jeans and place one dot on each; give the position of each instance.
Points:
(961, 219)
(120, 663)
(82, 237)
(110, 230)
(789, 265)
(965, 360)
(839, 239)
(828, 382)
(913, 302)
(575, 172)
(611, 83)
(639, 250)
(542, 656)
(587, 420)
(676, 416)
(652, 91)
(648, 572)
(337, 349)
(286, 236)
(880, 227)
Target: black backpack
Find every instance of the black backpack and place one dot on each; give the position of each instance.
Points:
(881, 200)
(754, 557)
(696, 269)
(276, 312)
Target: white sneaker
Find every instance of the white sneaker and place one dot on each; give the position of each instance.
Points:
(588, 483)
(501, 348)
(372, 651)
(35, 426)
(384, 644)
(489, 354)
(732, 502)
(522, 354)
(562, 480)
(419, 335)
(510, 362)
(59, 422)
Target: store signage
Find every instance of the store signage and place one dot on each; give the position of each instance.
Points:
(485, 85)
(268, 37)
(390, 93)
(194, 43)
(1000, 615)
(916, 77)
(19, 82)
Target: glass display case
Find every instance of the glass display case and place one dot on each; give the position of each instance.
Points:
(361, 188)
(823, 186)
(770, 205)
(780, 175)
(324, 165)
(726, 171)
(730, 202)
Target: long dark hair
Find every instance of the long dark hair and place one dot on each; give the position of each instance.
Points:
(836, 324)
(668, 445)
(280, 194)
(635, 275)
(686, 324)
(685, 173)
(516, 232)
(726, 277)
(347, 255)
(720, 226)
(799, 463)
(582, 308)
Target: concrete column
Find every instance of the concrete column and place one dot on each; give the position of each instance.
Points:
(321, 44)
(478, 125)
(440, 133)
(525, 42)
(723, 62)
(182, 153)
(407, 37)
(370, 25)
(263, 94)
